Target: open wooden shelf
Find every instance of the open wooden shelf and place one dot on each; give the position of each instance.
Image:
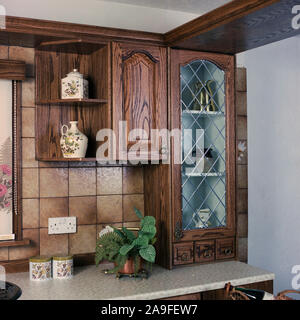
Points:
(72, 101)
(53, 61)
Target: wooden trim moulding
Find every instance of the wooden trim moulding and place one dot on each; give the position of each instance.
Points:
(51, 30)
(14, 243)
(12, 70)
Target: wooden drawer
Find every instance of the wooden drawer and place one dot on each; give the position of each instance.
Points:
(204, 251)
(225, 248)
(183, 253)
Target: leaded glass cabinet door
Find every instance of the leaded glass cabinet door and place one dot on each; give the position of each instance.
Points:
(204, 180)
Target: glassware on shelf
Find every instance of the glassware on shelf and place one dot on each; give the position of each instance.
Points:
(204, 97)
(201, 218)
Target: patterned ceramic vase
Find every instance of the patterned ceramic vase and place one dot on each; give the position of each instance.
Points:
(40, 268)
(73, 142)
(74, 86)
(62, 267)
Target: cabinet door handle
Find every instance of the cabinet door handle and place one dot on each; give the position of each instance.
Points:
(227, 251)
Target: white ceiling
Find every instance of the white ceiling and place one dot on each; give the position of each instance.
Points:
(192, 6)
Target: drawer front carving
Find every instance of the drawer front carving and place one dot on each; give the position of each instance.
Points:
(183, 253)
(204, 251)
(225, 248)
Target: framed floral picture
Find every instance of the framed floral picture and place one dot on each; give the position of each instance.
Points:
(6, 161)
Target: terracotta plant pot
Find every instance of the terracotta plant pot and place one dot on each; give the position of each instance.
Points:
(129, 266)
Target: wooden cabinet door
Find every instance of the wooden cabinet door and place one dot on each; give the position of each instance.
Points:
(139, 91)
(203, 199)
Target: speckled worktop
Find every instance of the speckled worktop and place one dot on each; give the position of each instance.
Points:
(90, 283)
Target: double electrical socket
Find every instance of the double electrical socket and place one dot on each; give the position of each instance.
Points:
(62, 225)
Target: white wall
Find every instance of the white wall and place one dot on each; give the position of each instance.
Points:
(99, 13)
(274, 157)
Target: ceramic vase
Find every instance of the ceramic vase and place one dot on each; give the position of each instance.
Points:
(74, 86)
(73, 142)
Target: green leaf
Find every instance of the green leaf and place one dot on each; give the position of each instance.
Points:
(118, 232)
(125, 249)
(148, 220)
(129, 234)
(148, 253)
(148, 230)
(138, 213)
(141, 241)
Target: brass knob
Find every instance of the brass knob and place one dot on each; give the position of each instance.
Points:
(227, 251)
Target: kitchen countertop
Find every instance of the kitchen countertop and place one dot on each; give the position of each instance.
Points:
(90, 283)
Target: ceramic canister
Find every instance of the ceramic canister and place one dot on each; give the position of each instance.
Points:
(40, 268)
(62, 267)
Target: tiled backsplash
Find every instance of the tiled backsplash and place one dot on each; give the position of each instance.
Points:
(97, 196)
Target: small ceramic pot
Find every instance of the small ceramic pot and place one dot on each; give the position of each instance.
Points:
(62, 267)
(73, 143)
(74, 86)
(40, 268)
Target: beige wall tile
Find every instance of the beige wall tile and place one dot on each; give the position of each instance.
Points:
(3, 251)
(84, 208)
(28, 122)
(243, 249)
(30, 213)
(242, 176)
(242, 225)
(109, 180)
(3, 52)
(82, 181)
(30, 183)
(241, 103)
(133, 180)
(17, 253)
(82, 164)
(242, 201)
(129, 203)
(241, 128)
(53, 164)
(84, 241)
(135, 224)
(241, 79)
(54, 182)
(53, 208)
(53, 244)
(28, 153)
(28, 92)
(23, 54)
(109, 209)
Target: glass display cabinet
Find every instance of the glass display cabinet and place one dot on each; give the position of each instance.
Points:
(203, 195)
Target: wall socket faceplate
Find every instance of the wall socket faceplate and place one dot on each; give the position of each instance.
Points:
(62, 225)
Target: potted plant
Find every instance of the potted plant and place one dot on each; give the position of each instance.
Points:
(126, 248)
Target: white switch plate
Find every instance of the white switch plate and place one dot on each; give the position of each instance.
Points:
(62, 225)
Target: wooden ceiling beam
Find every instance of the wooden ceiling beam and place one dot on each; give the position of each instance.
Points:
(237, 26)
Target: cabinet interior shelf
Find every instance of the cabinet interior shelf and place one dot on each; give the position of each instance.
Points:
(203, 113)
(71, 101)
(205, 174)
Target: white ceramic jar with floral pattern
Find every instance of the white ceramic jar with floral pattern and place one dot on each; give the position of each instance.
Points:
(74, 86)
(73, 142)
(40, 268)
(62, 267)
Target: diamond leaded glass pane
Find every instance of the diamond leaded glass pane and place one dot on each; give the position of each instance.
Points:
(203, 145)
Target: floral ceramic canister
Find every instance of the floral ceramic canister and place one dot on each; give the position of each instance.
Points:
(62, 267)
(73, 142)
(40, 268)
(74, 86)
